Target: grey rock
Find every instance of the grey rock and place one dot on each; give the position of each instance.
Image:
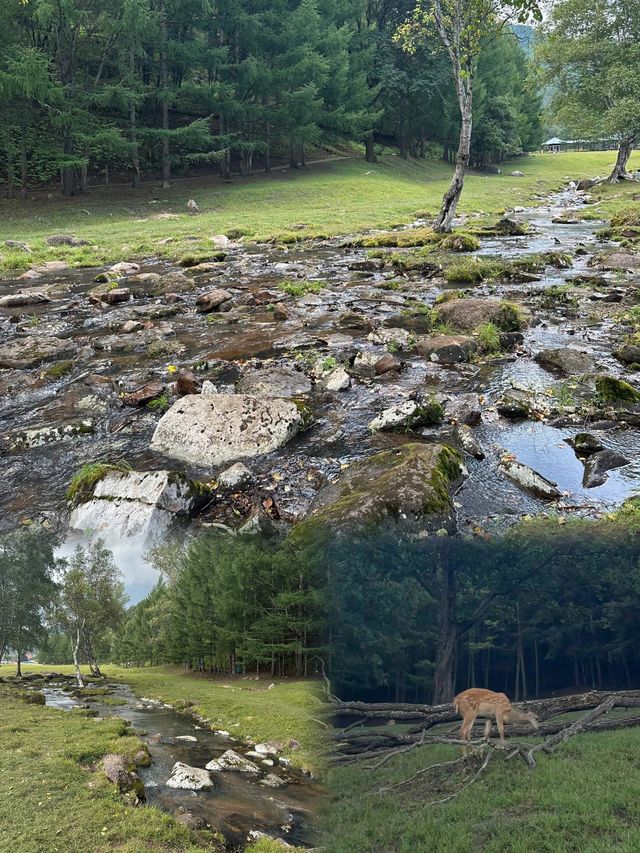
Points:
(215, 429)
(597, 466)
(27, 297)
(529, 479)
(337, 380)
(214, 300)
(468, 442)
(565, 361)
(274, 382)
(236, 477)
(447, 349)
(189, 778)
(233, 761)
(33, 350)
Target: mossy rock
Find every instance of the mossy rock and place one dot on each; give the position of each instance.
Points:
(57, 370)
(612, 390)
(402, 489)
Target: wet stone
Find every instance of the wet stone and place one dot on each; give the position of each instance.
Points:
(597, 466)
(274, 382)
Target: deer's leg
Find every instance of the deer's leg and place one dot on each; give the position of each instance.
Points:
(487, 728)
(465, 731)
(500, 723)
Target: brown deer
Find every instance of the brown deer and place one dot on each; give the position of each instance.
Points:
(477, 702)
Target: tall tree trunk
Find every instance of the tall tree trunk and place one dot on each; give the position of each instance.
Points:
(18, 665)
(23, 163)
(9, 153)
(293, 164)
(133, 137)
(68, 173)
(443, 680)
(444, 221)
(76, 664)
(369, 149)
(267, 150)
(164, 82)
(624, 152)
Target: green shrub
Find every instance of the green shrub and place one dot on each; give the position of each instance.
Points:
(488, 338)
(300, 288)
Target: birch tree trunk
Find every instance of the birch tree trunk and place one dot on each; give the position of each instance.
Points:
(444, 220)
(76, 664)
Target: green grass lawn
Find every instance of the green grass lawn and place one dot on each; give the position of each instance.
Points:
(327, 199)
(585, 798)
(52, 798)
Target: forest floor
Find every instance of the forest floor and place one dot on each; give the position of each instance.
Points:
(585, 798)
(52, 798)
(325, 199)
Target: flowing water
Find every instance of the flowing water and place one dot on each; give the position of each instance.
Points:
(223, 347)
(238, 803)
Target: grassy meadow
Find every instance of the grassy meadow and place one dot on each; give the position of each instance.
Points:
(585, 798)
(338, 197)
(52, 798)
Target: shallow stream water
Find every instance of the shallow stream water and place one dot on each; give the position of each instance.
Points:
(238, 803)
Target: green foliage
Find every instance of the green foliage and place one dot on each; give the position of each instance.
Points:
(301, 288)
(83, 483)
(160, 403)
(232, 606)
(488, 336)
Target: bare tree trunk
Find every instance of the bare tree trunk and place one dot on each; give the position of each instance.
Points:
(443, 680)
(76, 648)
(444, 220)
(18, 664)
(9, 153)
(23, 164)
(133, 136)
(624, 152)
(68, 177)
(164, 82)
(369, 149)
(267, 150)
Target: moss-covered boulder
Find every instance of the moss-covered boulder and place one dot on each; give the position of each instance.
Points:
(612, 390)
(405, 489)
(466, 315)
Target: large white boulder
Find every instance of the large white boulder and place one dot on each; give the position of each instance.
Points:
(135, 505)
(215, 429)
(189, 778)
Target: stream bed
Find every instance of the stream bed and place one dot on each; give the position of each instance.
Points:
(52, 425)
(239, 803)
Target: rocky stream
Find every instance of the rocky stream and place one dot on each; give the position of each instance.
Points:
(251, 388)
(205, 778)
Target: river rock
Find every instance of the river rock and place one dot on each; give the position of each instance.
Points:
(628, 354)
(41, 436)
(231, 760)
(214, 300)
(190, 820)
(116, 295)
(274, 382)
(584, 444)
(174, 282)
(620, 259)
(407, 416)
(390, 337)
(215, 429)
(447, 349)
(529, 479)
(65, 240)
(468, 442)
(189, 778)
(337, 380)
(17, 245)
(27, 297)
(273, 781)
(598, 464)
(565, 361)
(236, 477)
(116, 770)
(467, 314)
(409, 486)
(353, 320)
(33, 350)
(514, 404)
(131, 326)
(187, 383)
(136, 504)
(386, 364)
(124, 268)
(143, 395)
